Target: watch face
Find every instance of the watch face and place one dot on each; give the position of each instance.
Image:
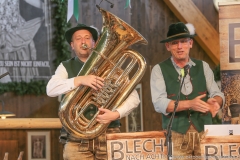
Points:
(215, 2)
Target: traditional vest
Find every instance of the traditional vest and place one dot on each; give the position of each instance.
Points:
(73, 67)
(184, 119)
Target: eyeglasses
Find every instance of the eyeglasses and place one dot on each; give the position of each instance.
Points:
(182, 41)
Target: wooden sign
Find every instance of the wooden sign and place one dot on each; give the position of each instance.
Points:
(137, 146)
(229, 29)
(221, 147)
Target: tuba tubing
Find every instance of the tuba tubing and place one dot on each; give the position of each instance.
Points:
(112, 60)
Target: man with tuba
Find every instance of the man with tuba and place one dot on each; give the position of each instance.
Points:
(65, 80)
(200, 97)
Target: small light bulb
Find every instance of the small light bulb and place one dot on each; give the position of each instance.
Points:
(3, 117)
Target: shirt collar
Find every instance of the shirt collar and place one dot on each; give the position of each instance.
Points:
(191, 63)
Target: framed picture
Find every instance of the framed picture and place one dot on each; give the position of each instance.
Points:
(134, 121)
(38, 145)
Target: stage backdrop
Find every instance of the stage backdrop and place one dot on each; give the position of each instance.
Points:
(229, 28)
(25, 27)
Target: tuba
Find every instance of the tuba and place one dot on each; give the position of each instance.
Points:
(111, 60)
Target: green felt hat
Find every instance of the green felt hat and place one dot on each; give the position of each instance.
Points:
(71, 31)
(179, 30)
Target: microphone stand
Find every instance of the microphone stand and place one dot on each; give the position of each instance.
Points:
(168, 134)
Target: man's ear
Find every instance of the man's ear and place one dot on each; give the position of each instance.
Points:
(93, 44)
(72, 45)
(167, 46)
(191, 43)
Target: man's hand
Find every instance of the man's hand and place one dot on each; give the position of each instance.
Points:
(199, 105)
(107, 116)
(92, 81)
(214, 106)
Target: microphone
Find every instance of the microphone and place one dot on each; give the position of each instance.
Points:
(110, 3)
(186, 68)
(3, 75)
(98, 6)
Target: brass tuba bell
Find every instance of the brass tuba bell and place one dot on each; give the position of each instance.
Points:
(111, 60)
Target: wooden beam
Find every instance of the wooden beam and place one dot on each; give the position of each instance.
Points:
(207, 37)
(30, 123)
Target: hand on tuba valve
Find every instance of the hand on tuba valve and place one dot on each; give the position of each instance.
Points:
(106, 116)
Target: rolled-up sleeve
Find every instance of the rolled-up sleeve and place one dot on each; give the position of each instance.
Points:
(158, 90)
(129, 104)
(60, 83)
(212, 86)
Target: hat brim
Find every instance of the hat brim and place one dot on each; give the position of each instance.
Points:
(70, 32)
(177, 37)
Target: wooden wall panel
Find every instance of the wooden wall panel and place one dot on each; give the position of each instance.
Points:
(208, 10)
(10, 147)
(15, 141)
(30, 106)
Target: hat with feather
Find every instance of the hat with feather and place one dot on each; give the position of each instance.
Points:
(179, 30)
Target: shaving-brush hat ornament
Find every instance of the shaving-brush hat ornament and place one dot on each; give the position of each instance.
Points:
(179, 30)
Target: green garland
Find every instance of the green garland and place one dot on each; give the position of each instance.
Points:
(59, 45)
(21, 88)
(61, 25)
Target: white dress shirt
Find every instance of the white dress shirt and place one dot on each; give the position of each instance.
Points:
(60, 84)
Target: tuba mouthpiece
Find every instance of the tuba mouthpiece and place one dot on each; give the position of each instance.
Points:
(84, 46)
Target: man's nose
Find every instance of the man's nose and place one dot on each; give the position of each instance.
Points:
(179, 44)
(83, 40)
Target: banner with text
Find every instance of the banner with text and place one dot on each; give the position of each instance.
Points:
(25, 40)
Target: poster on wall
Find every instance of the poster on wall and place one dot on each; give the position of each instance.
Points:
(231, 88)
(25, 27)
(229, 28)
